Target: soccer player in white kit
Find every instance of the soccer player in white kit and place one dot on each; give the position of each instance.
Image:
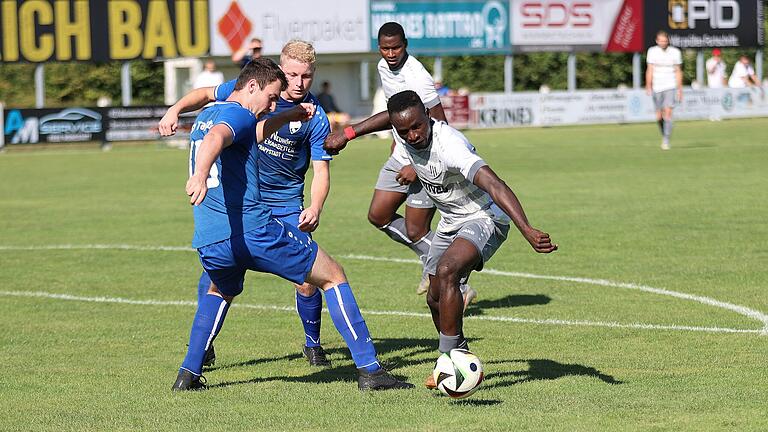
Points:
(397, 183)
(475, 207)
(663, 76)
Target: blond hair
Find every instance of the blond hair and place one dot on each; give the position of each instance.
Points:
(299, 50)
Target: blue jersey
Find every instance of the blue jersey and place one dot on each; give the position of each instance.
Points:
(233, 204)
(284, 157)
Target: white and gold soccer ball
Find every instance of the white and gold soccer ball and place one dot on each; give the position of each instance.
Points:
(458, 373)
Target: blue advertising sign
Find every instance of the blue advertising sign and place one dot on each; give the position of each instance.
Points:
(446, 27)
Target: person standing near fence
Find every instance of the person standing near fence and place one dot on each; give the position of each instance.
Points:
(664, 81)
(715, 70)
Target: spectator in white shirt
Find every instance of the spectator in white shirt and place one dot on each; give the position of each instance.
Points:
(743, 74)
(716, 70)
(209, 77)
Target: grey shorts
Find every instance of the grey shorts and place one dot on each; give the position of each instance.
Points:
(486, 235)
(417, 196)
(664, 99)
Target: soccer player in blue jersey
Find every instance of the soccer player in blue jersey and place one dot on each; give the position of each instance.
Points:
(283, 162)
(235, 231)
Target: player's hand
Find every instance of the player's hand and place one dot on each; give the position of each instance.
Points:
(309, 219)
(540, 241)
(301, 112)
(168, 124)
(334, 143)
(648, 91)
(406, 175)
(197, 187)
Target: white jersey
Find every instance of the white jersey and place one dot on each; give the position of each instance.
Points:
(446, 169)
(664, 62)
(412, 76)
(740, 71)
(715, 73)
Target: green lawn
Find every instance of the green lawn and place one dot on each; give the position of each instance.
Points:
(82, 228)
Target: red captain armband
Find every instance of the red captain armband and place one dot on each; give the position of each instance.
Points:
(349, 133)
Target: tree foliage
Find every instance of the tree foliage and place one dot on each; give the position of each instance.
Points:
(68, 84)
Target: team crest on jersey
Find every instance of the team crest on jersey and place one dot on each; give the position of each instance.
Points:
(294, 126)
(433, 170)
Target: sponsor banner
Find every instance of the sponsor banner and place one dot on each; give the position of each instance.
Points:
(455, 27)
(39, 31)
(32, 126)
(333, 26)
(705, 104)
(140, 123)
(456, 109)
(706, 23)
(2, 125)
(491, 110)
(577, 25)
(68, 125)
(610, 106)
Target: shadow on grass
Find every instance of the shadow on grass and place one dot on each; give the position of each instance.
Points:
(318, 376)
(405, 352)
(514, 300)
(399, 353)
(542, 369)
(476, 402)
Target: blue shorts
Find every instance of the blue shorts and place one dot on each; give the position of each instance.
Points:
(287, 214)
(277, 247)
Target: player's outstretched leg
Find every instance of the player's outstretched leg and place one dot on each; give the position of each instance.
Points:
(211, 312)
(342, 306)
(309, 306)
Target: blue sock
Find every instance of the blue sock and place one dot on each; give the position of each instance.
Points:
(309, 309)
(350, 323)
(203, 285)
(209, 317)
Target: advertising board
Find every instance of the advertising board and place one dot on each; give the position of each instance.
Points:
(456, 27)
(38, 31)
(332, 26)
(577, 25)
(706, 23)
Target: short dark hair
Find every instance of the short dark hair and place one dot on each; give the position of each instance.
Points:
(264, 71)
(391, 29)
(404, 100)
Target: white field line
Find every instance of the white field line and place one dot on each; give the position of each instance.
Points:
(742, 310)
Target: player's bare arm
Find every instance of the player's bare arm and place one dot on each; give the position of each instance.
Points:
(216, 140)
(336, 141)
(503, 196)
(679, 82)
(192, 101)
(649, 79)
(301, 112)
(309, 219)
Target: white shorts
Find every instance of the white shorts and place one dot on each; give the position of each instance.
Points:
(387, 181)
(485, 234)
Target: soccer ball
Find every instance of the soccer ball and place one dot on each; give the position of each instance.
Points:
(458, 373)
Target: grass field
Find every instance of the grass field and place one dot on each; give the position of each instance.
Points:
(684, 348)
